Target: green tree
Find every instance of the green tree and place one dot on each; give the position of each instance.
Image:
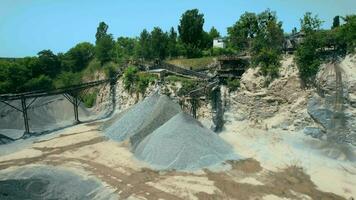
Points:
(130, 78)
(125, 48)
(267, 44)
(308, 58)
(78, 57)
(172, 43)
(310, 23)
(42, 82)
(101, 31)
(159, 43)
(104, 44)
(336, 22)
(67, 79)
(48, 64)
(243, 31)
(347, 33)
(214, 33)
(144, 45)
(294, 31)
(191, 28)
(104, 49)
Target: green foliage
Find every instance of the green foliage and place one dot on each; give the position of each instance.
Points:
(101, 31)
(90, 98)
(93, 66)
(191, 27)
(48, 64)
(308, 58)
(233, 84)
(78, 57)
(134, 81)
(347, 33)
(66, 79)
(310, 23)
(172, 47)
(269, 61)
(144, 80)
(125, 49)
(243, 31)
(336, 22)
(192, 63)
(159, 43)
(42, 82)
(110, 70)
(104, 49)
(219, 52)
(187, 86)
(144, 45)
(130, 78)
(262, 35)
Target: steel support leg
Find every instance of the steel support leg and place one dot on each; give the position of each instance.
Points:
(194, 102)
(24, 113)
(76, 115)
(113, 95)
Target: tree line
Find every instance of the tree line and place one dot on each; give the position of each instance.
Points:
(257, 34)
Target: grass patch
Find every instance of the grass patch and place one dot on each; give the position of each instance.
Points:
(192, 63)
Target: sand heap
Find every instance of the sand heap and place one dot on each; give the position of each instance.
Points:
(143, 119)
(183, 143)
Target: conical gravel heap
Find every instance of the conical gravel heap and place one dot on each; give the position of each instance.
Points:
(143, 119)
(183, 143)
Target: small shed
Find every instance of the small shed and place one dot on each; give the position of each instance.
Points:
(219, 43)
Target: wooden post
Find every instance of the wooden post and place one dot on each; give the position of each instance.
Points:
(24, 114)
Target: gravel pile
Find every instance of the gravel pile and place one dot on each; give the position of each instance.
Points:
(42, 182)
(5, 140)
(143, 119)
(46, 113)
(183, 143)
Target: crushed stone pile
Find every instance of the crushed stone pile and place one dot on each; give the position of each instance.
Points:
(143, 119)
(46, 182)
(5, 140)
(46, 113)
(183, 143)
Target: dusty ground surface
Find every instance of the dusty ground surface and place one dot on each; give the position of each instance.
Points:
(83, 149)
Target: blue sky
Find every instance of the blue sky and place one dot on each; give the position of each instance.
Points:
(29, 26)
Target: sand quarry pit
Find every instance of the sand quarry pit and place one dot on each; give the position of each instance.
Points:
(112, 169)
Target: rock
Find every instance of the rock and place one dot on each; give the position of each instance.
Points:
(314, 132)
(318, 112)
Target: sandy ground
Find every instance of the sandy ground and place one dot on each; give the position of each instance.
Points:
(274, 167)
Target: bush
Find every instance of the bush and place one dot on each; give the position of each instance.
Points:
(187, 86)
(233, 84)
(219, 52)
(90, 98)
(137, 82)
(269, 61)
(144, 80)
(110, 70)
(130, 78)
(42, 82)
(308, 59)
(66, 79)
